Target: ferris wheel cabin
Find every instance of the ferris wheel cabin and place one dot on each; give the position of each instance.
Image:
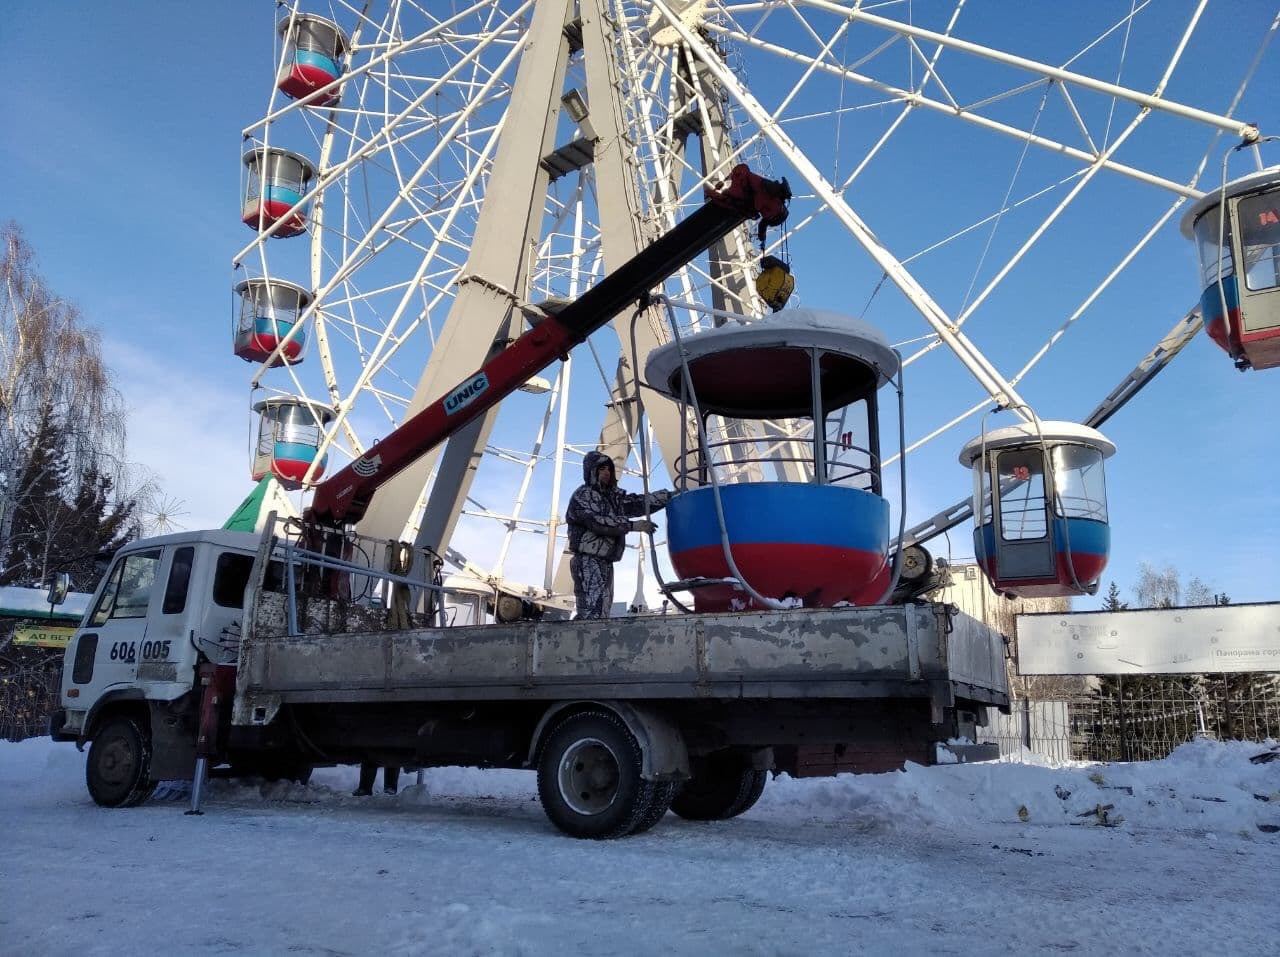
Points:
(821, 541)
(313, 52)
(275, 183)
(268, 309)
(1044, 533)
(290, 431)
(1243, 320)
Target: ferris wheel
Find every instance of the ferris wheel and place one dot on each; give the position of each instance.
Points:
(424, 183)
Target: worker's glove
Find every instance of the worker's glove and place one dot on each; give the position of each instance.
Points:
(660, 498)
(643, 525)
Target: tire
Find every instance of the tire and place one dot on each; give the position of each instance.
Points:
(761, 778)
(118, 771)
(589, 778)
(719, 790)
(663, 795)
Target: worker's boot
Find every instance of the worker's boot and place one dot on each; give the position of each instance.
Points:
(367, 773)
(390, 780)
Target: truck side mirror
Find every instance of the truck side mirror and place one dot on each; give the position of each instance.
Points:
(59, 585)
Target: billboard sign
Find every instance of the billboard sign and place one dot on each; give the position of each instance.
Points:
(42, 636)
(1151, 641)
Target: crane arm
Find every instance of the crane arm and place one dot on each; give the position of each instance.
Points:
(344, 497)
(1150, 366)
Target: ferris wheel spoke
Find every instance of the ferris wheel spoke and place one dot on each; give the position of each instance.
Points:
(1153, 101)
(332, 174)
(906, 96)
(380, 60)
(398, 399)
(1080, 123)
(1093, 168)
(389, 342)
(1048, 221)
(839, 91)
(1076, 189)
(969, 355)
(358, 297)
(351, 258)
(1075, 315)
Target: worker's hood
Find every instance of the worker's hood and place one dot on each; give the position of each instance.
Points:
(591, 463)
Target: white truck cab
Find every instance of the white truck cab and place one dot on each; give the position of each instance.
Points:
(165, 605)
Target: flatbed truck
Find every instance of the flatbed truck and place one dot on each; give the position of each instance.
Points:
(196, 646)
(309, 645)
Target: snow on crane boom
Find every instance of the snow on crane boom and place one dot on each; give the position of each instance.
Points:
(344, 497)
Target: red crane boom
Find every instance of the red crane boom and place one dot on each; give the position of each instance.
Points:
(344, 497)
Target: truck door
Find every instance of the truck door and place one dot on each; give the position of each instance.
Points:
(165, 654)
(224, 612)
(117, 626)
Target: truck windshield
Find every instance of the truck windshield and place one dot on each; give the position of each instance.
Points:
(128, 590)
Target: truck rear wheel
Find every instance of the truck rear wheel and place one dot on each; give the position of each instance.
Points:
(589, 778)
(663, 795)
(118, 772)
(718, 791)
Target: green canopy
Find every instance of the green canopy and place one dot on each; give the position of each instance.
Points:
(267, 496)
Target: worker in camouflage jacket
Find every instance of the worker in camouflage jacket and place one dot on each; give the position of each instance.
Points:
(599, 517)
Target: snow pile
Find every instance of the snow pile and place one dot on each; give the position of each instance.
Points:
(1204, 787)
(923, 861)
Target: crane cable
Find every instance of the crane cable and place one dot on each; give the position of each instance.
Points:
(725, 545)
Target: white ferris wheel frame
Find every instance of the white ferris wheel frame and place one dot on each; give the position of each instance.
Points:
(614, 67)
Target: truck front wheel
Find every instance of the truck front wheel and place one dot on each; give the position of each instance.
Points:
(719, 790)
(589, 778)
(118, 771)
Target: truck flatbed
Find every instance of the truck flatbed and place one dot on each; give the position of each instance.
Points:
(926, 650)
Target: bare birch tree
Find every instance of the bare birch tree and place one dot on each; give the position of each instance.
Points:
(55, 389)
(51, 364)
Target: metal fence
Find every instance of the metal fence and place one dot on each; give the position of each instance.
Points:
(1141, 718)
(30, 683)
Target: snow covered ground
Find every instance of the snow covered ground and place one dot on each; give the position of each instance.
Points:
(972, 859)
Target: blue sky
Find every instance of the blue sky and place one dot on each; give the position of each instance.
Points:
(120, 159)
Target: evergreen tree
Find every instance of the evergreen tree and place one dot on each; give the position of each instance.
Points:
(36, 504)
(1112, 601)
(63, 473)
(60, 520)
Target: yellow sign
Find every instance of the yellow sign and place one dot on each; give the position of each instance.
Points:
(43, 636)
